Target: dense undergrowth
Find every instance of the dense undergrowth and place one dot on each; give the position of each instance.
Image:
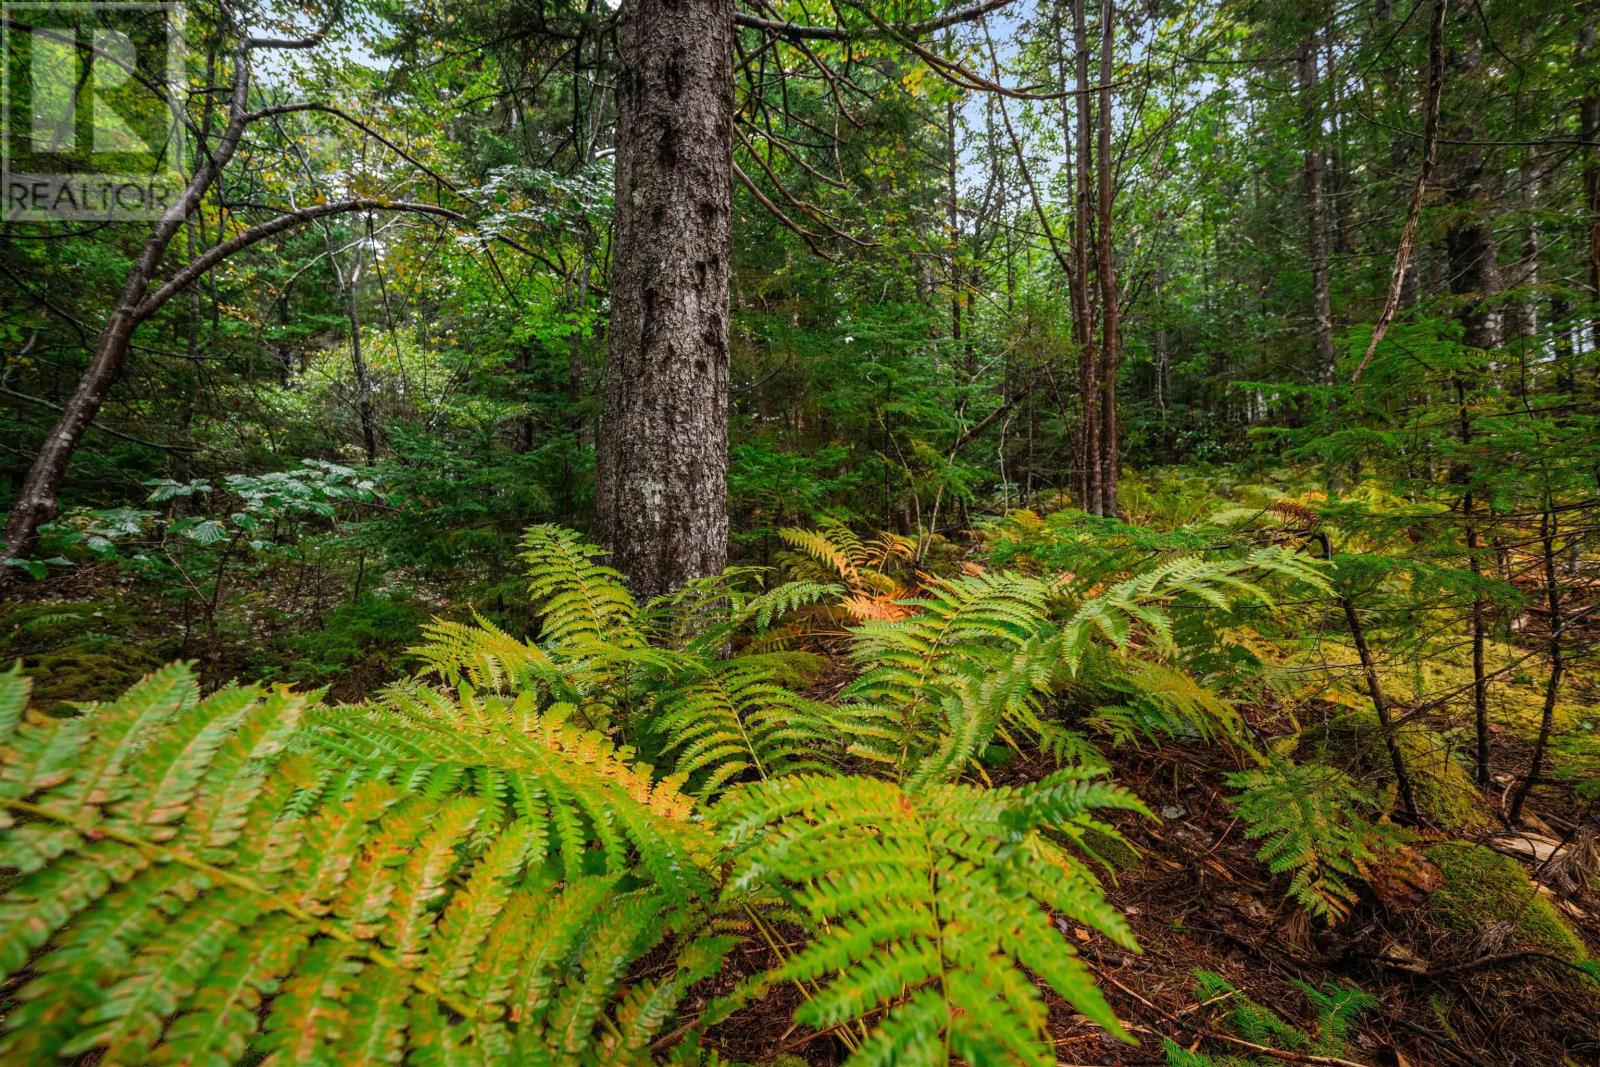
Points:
(889, 787)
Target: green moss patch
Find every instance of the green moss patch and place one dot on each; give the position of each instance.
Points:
(1482, 886)
(73, 675)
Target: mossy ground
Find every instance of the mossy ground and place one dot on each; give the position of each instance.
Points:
(1482, 886)
(90, 650)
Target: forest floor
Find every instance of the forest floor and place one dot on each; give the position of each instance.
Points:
(1195, 893)
(1199, 900)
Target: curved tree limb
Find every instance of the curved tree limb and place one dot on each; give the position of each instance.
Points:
(287, 221)
(797, 31)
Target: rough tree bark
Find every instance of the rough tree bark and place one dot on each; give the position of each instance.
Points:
(663, 453)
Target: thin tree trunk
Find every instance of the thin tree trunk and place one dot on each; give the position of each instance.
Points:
(1090, 424)
(1552, 688)
(358, 363)
(1403, 282)
(1480, 686)
(1105, 258)
(1316, 217)
(1391, 743)
(663, 453)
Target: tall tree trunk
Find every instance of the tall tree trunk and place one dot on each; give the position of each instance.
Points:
(663, 453)
(1316, 217)
(1090, 423)
(1589, 125)
(1552, 687)
(1105, 257)
(1470, 243)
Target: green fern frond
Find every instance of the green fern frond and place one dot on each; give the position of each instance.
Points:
(530, 762)
(1253, 1022)
(737, 723)
(1338, 1007)
(481, 655)
(836, 551)
(837, 560)
(581, 599)
(1315, 820)
(707, 615)
(784, 599)
(474, 872)
(595, 654)
(1178, 1056)
(1141, 604)
(248, 875)
(931, 906)
(936, 683)
(1163, 700)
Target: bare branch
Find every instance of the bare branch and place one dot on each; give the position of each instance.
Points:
(811, 239)
(328, 109)
(316, 37)
(796, 31)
